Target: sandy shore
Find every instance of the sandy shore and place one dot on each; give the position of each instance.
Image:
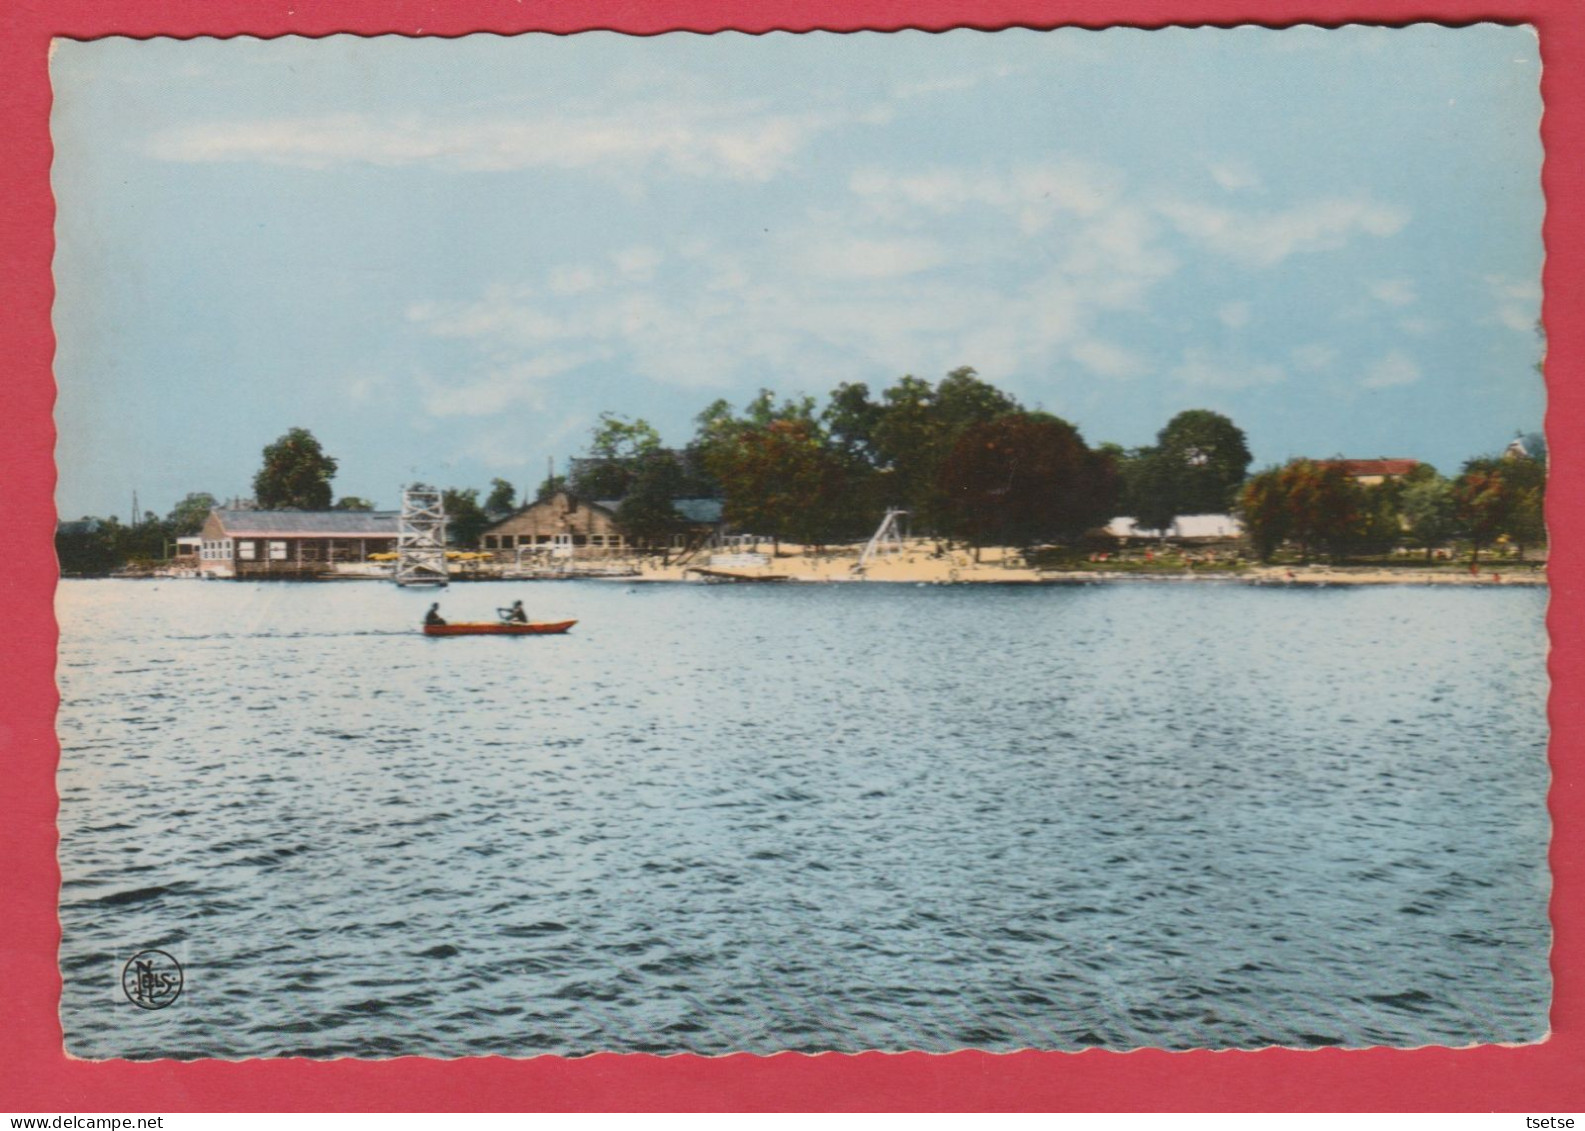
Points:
(923, 567)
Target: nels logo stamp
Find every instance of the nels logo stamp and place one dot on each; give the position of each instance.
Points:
(152, 979)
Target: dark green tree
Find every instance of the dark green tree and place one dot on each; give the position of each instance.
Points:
(646, 512)
(1150, 489)
(1429, 512)
(502, 498)
(918, 428)
(1209, 455)
(850, 419)
(89, 547)
(296, 474)
(188, 516)
(615, 445)
(353, 503)
(465, 518)
(550, 485)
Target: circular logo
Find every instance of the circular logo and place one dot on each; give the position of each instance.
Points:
(152, 980)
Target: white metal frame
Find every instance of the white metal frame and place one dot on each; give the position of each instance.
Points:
(421, 537)
(887, 539)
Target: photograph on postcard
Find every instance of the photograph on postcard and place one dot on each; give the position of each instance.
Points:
(722, 543)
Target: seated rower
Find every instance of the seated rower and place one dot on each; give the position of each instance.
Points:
(433, 616)
(513, 615)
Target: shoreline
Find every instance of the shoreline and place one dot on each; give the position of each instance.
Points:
(922, 567)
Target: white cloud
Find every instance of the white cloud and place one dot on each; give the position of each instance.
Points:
(1203, 369)
(502, 387)
(1108, 360)
(1035, 194)
(572, 279)
(1419, 327)
(637, 263)
(891, 288)
(1234, 315)
(953, 83)
(1313, 357)
(1393, 292)
(1517, 302)
(1235, 176)
(700, 138)
(1396, 368)
(1264, 239)
(1012, 269)
(860, 258)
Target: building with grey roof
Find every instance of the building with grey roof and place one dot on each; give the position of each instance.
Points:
(256, 544)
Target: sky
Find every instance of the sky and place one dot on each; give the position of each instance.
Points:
(446, 258)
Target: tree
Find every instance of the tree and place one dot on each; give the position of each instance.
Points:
(296, 474)
(1262, 506)
(465, 518)
(353, 503)
(614, 446)
(89, 547)
(551, 485)
(1150, 489)
(1379, 520)
(1496, 498)
(187, 517)
(502, 498)
(1430, 511)
(1209, 455)
(1196, 466)
(1313, 504)
(850, 419)
(1025, 478)
(918, 428)
(781, 480)
(1326, 505)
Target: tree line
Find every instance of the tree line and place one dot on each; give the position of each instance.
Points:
(963, 458)
(1316, 508)
(966, 460)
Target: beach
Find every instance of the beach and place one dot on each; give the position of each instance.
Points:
(922, 565)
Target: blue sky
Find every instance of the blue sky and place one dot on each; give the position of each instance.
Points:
(447, 257)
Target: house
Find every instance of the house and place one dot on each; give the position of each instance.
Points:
(565, 524)
(1371, 472)
(291, 544)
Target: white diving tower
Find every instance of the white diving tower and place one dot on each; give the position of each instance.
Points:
(421, 537)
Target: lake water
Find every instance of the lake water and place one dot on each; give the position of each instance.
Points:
(755, 818)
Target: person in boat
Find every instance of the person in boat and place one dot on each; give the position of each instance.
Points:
(513, 615)
(433, 616)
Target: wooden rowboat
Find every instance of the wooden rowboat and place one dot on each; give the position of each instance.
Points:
(499, 628)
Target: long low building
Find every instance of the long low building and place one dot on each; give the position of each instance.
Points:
(287, 544)
(1186, 527)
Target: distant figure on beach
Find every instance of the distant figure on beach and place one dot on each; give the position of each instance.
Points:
(433, 616)
(514, 614)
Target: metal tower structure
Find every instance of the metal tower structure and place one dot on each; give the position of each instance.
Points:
(887, 539)
(421, 537)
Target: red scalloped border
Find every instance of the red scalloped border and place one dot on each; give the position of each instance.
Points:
(36, 1075)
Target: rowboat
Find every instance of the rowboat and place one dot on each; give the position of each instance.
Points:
(499, 628)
